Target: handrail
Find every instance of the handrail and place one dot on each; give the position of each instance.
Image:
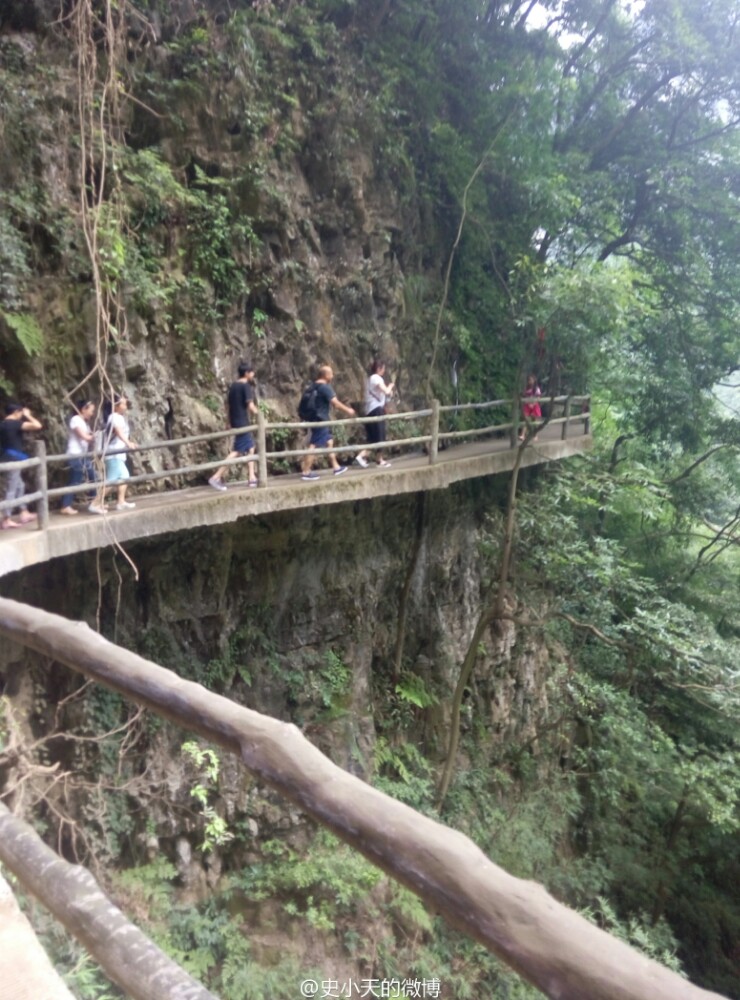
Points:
(431, 441)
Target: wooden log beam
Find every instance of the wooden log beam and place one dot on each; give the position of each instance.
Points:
(550, 945)
(74, 897)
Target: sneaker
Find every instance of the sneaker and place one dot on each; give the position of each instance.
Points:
(252, 482)
(310, 476)
(69, 511)
(125, 505)
(340, 470)
(96, 510)
(362, 462)
(217, 484)
(384, 465)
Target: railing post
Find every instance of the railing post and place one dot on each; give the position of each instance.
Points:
(566, 414)
(587, 419)
(514, 433)
(261, 448)
(42, 485)
(434, 443)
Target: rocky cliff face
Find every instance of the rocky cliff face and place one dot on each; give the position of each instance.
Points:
(297, 615)
(252, 205)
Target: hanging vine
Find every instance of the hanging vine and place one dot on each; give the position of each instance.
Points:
(99, 30)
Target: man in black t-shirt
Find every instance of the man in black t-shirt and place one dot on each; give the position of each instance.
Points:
(17, 420)
(240, 405)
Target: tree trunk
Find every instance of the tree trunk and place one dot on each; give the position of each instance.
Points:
(493, 610)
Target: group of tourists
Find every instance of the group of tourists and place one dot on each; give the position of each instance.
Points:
(112, 443)
(115, 440)
(316, 405)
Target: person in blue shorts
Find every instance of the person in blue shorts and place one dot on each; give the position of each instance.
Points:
(240, 405)
(322, 437)
(117, 441)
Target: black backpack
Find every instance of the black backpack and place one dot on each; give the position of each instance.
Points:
(307, 405)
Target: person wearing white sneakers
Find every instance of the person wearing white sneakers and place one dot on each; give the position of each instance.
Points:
(79, 439)
(118, 440)
(240, 405)
(377, 394)
(325, 399)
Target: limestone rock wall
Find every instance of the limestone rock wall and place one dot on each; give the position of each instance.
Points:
(297, 614)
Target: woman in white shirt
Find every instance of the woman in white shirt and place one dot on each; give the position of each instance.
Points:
(78, 448)
(377, 394)
(117, 442)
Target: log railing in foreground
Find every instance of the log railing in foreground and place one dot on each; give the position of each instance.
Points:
(427, 431)
(553, 947)
(72, 895)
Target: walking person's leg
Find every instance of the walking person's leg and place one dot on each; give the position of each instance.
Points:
(252, 469)
(336, 467)
(76, 478)
(123, 474)
(17, 488)
(317, 439)
(11, 492)
(243, 445)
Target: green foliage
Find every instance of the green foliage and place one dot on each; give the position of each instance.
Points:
(248, 643)
(412, 688)
(334, 678)
(149, 886)
(220, 241)
(27, 331)
(317, 686)
(215, 830)
(327, 883)
(403, 772)
(259, 318)
(14, 264)
(656, 940)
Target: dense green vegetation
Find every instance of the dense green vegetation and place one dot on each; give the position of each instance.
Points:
(577, 183)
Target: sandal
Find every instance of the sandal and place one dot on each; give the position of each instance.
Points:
(27, 517)
(7, 524)
(68, 511)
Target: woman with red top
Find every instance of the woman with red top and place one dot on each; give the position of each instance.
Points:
(531, 410)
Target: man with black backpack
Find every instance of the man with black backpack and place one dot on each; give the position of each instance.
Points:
(315, 406)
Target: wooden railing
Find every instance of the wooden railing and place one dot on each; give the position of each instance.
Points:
(432, 429)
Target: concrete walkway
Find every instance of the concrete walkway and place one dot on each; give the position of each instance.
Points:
(181, 510)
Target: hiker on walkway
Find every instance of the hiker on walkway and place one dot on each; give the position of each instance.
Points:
(116, 442)
(324, 399)
(377, 394)
(18, 419)
(240, 403)
(79, 439)
(531, 410)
